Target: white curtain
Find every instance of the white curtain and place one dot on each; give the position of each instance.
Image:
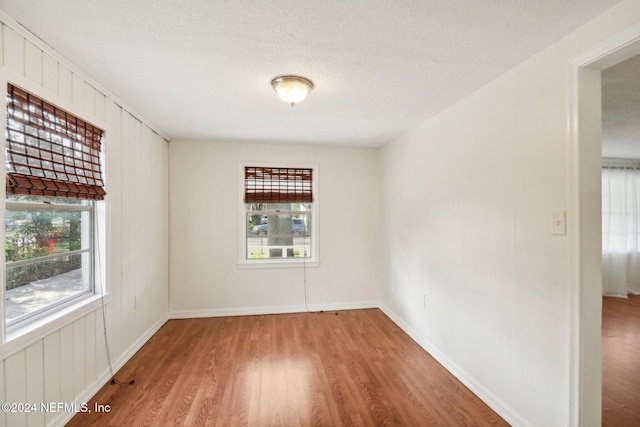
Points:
(620, 231)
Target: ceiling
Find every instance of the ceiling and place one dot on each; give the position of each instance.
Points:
(201, 69)
(621, 110)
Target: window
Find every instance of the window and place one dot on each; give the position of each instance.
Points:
(620, 227)
(279, 218)
(53, 177)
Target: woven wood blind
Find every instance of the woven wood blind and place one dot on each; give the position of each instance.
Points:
(278, 185)
(50, 152)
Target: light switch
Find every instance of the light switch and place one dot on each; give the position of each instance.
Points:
(559, 223)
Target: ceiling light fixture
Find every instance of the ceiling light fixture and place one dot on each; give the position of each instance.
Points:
(292, 89)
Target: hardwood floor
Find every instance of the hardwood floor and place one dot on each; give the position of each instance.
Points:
(621, 361)
(350, 368)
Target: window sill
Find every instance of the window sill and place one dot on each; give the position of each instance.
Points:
(277, 264)
(22, 336)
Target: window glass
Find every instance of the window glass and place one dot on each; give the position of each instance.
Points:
(48, 253)
(278, 230)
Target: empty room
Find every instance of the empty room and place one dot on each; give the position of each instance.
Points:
(311, 213)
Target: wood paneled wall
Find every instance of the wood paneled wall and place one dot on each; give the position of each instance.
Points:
(69, 364)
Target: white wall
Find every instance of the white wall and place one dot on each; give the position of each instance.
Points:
(467, 202)
(205, 231)
(68, 363)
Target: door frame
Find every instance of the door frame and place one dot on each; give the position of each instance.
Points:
(585, 224)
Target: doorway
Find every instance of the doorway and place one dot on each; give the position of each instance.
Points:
(620, 245)
(585, 222)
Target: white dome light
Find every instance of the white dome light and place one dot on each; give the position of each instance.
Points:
(292, 89)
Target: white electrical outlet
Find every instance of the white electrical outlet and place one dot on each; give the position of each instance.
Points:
(558, 223)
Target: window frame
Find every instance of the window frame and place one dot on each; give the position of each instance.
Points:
(25, 333)
(314, 260)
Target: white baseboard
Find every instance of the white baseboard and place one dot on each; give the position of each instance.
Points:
(251, 311)
(478, 389)
(103, 378)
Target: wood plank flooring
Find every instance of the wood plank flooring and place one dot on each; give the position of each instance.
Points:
(346, 368)
(621, 361)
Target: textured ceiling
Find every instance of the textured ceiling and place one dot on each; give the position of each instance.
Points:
(621, 110)
(201, 68)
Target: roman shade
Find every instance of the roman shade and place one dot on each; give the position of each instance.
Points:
(278, 185)
(49, 151)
